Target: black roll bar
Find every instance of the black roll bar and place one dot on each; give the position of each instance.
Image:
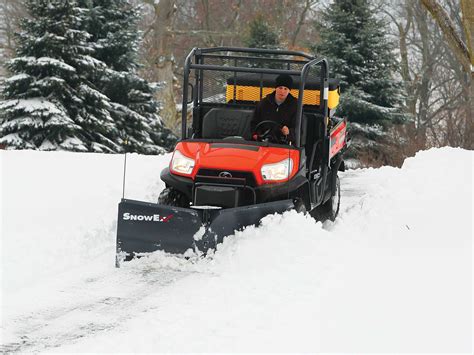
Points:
(198, 52)
(244, 70)
(253, 50)
(323, 98)
(184, 113)
(266, 59)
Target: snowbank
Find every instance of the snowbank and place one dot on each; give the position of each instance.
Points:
(59, 209)
(393, 273)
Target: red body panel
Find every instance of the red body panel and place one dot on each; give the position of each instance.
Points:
(338, 138)
(230, 158)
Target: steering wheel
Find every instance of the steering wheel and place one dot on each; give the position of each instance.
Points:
(269, 130)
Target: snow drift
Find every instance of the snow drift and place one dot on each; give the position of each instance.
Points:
(393, 273)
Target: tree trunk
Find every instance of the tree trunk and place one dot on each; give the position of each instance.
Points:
(469, 127)
(300, 22)
(409, 82)
(11, 12)
(427, 74)
(163, 61)
(462, 51)
(467, 7)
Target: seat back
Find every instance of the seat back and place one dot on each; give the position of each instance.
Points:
(223, 122)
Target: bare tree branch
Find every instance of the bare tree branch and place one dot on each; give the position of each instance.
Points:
(467, 7)
(443, 20)
(301, 21)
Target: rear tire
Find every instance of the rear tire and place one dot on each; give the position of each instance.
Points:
(330, 209)
(172, 197)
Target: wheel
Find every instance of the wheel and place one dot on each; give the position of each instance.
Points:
(330, 209)
(300, 207)
(172, 197)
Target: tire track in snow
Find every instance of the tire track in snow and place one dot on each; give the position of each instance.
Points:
(352, 195)
(52, 327)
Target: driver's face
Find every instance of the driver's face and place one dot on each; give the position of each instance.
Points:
(281, 93)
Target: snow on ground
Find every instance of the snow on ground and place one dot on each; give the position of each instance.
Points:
(392, 274)
(59, 209)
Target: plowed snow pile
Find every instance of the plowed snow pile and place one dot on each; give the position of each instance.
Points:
(392, 274)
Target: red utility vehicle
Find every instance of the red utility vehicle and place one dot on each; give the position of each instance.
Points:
(219, 180)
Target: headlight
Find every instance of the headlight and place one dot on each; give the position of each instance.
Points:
(277, 171)
(181, 164)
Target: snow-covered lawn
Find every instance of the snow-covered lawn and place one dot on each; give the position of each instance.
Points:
(392, 274)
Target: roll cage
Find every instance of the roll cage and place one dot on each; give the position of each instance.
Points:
(196, 61)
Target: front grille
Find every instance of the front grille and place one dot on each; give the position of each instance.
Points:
(243, 178)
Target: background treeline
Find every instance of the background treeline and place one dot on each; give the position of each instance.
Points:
(405, 66)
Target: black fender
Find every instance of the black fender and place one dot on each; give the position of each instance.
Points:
(180, 183)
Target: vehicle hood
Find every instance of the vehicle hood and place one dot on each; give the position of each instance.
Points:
(236, 157)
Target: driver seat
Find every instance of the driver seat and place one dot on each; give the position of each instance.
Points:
(223, 122)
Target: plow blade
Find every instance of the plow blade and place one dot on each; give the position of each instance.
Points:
(146, 227)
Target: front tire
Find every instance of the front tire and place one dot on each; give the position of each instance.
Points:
(330, 209)
(172, 197)
(300, 207)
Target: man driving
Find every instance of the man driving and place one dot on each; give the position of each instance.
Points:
(280, 107)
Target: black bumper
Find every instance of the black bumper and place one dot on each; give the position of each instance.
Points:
(222, 194)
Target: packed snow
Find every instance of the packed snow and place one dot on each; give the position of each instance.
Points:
(44, 62)
(18, 77)
(32, 105)
(392, 274)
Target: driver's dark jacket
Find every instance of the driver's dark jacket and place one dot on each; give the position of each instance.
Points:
(285, 114)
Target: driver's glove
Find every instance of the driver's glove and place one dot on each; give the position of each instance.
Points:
(255, 136)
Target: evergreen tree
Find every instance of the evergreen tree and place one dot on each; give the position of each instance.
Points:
(115, 38)
(355, 42)
(261, 35)
(50, 103)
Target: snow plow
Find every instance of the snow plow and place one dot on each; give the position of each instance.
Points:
(220, 179)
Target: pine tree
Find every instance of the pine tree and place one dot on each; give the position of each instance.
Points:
(355, 42)
(50, 103)
(261, 35)
(115, 38)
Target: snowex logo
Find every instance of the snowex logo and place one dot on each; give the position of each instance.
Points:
(127, 216)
